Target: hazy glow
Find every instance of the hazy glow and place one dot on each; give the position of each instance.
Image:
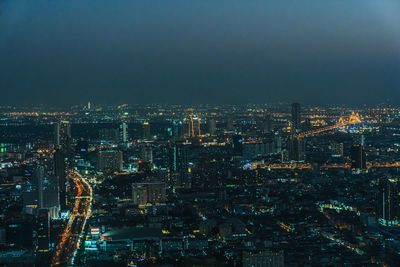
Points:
(199, 51)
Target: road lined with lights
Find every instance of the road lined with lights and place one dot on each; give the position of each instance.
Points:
(71, 236)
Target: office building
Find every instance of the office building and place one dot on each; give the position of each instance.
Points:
(62, 136)
(82, 148)
(336, 149)
(43, 230)
(296, 149)
(212, 126)
(177, 129)
(358, 157)
(148, 193)
(146, 153)
(267, 126)
(146, 130)
(179, 164)
(109, 135)
(230, 123)
(60, 172)
(193, 125)
(109, 161)
(124, 132)
(296, 117)
(237, 145)
(389, 201)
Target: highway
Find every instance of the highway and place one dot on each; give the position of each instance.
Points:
(71, 236)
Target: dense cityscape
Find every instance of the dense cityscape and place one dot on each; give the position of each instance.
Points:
(280, 184)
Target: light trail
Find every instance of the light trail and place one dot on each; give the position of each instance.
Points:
(70, 238)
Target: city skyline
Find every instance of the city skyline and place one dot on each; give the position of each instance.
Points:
(154, 133)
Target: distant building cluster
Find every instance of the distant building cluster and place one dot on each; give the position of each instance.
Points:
(206, 185)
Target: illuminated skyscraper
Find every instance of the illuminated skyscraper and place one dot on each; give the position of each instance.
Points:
(179, 164)
(124, 132)
(296, 149)
(237, 145)
(296, 117)
(389, 201)
(177, 129)
(147, 153)
(109, 135)
(62, 136)
(60, 172)
(230, 124)
(109, 161)
(358, 157)
(212, 126)
(43, 230)
(148, 193)
(193, 123)
(146, 130)
(337, 149)
(267, 126)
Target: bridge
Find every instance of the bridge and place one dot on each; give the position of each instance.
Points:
(309, 166)
(344, 121)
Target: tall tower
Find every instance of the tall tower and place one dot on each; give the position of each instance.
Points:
(358, 157)
(296, 149)
(60, 171)
(296, 117)
(267, 126)
(124, 132)
(43, 230)
(39, 177)
(179, 164)
(146, 131)
(230, 123)
(389, 201)
(193, 125)
(62, 135)
(212, 126)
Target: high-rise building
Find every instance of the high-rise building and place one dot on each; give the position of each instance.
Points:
(146, 131)
(267, 126)
(296, 117)
(62, 136)
(147, 153)
(60, 172)
(43, 230)
(237, 145)
(389, 201)
(230, 123)
(193, 125)
(296, 149)
(109, 135)
(148, 193)
(19, 231)
(39, 178)
(212, 126)
(358, 157)
(179, 164)
(43, 194)
(263, 258)
(109, 161)
(177, 129)
(336, 149)
(124, 132)
(82, 148)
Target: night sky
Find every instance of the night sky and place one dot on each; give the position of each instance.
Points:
(199, 51)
